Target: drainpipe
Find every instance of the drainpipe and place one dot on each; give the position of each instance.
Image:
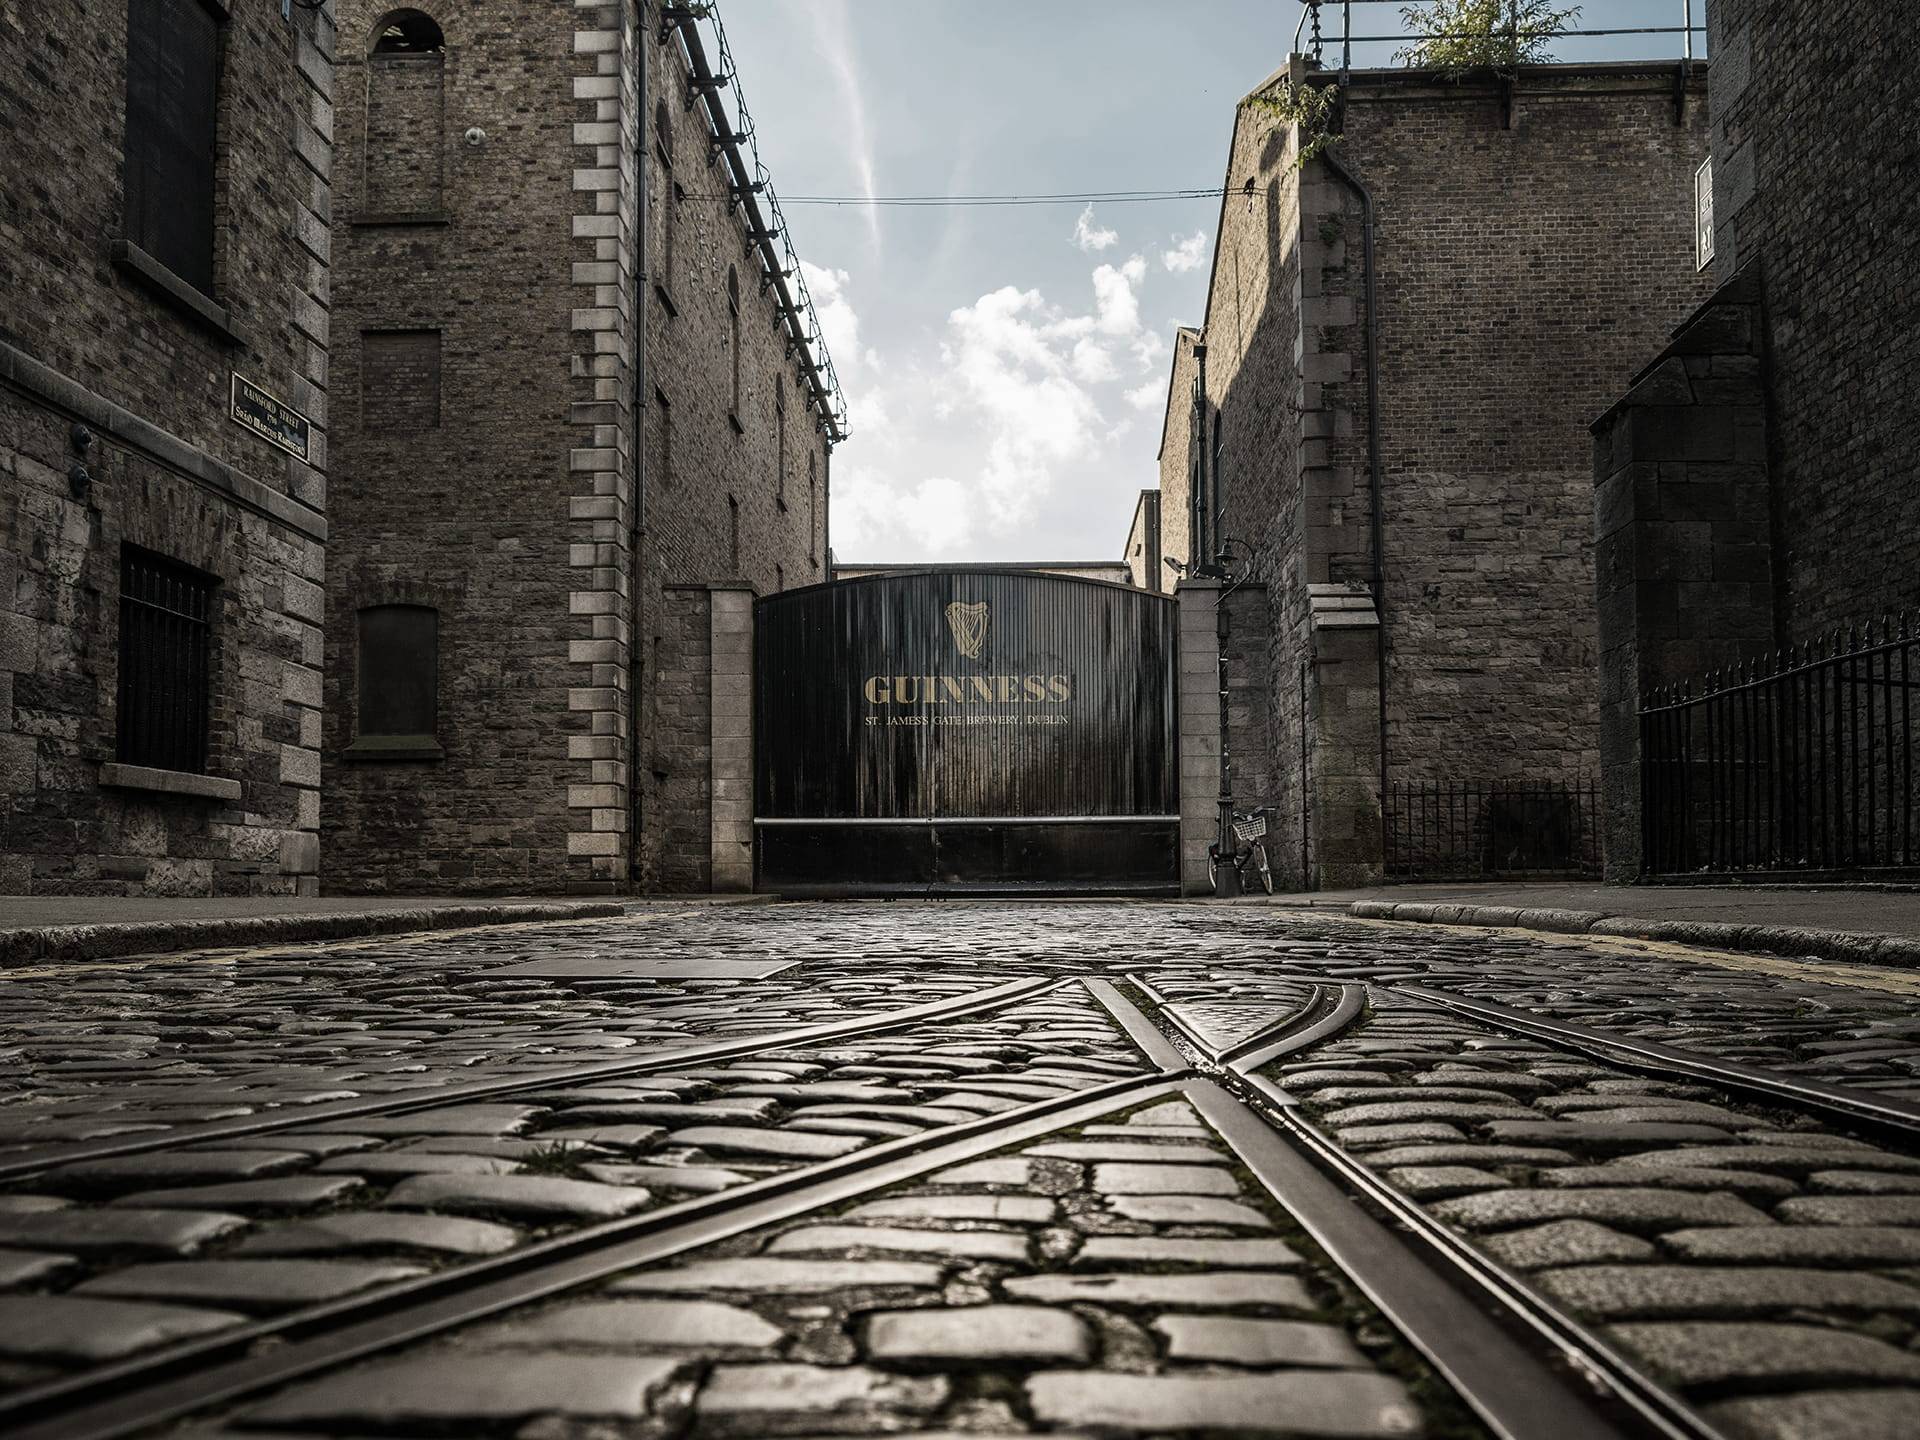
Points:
(637, 511)
(1354, 183)
(1197, 502)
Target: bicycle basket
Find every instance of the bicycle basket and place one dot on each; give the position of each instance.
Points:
(1251, 829)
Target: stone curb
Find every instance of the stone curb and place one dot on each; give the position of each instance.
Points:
(1851, 945)
(67, 944)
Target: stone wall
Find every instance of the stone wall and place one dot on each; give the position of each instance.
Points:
(1144, 568)
(678, 738)
(1176, 459)
(96, 335)
(1509, 314)
(1682, 525)
(1813, 162)
(548, 515)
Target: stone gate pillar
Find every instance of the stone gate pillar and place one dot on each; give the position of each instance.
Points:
(1199, 717)
(731, 722)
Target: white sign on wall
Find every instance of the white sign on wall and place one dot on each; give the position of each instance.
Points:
(1703, 215)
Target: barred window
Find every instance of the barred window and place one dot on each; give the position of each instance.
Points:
(166, 625)
(399, 674)
(173, 82)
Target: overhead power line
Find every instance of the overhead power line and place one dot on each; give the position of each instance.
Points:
(1080, 197)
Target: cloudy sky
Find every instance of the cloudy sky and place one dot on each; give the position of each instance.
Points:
(1006, 367)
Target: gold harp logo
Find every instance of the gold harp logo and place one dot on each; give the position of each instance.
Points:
(969, 626)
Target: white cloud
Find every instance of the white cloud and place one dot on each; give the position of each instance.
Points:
(1119, 307)
(838, 322)
(1017, 396)
(1090, 239)
(1187, 254)
(1092, 363)
(833, 38)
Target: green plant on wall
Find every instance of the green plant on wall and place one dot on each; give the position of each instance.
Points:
(1483, 34)
(1311, 107)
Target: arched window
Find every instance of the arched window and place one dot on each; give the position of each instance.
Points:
(733, 337)
(813, 513)
(399, 674)
(667, 202)
(408, 32)
(406, 116)
(780, 440)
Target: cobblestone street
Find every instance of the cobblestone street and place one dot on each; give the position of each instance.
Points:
(962, 1168)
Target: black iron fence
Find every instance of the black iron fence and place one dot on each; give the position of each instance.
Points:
(1455, 830)
(1801, 762)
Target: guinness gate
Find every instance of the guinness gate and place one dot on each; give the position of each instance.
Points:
(965, 730)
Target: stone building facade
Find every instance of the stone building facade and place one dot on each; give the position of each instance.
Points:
(578, 397)
(1758, 483)
(164, 425)
(1529, 243)
(1145, 570)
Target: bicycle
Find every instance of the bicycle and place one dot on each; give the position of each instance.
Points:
(1250, 848)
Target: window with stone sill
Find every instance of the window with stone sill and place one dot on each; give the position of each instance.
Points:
(171, 140)
(398, 682)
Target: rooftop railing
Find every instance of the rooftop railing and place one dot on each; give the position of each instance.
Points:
(1331, 25)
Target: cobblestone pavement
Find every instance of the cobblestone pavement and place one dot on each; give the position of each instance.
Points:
(931, 1169)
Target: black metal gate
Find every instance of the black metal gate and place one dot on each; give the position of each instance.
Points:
(965, 730)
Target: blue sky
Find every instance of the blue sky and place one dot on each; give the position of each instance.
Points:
(1006, 368)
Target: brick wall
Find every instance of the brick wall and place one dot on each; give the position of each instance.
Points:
(1813, 151)
(470, 515)
(525, 516)
(1524, 271)
(144, 363)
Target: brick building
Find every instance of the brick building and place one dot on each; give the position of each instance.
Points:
(1758, 486)
(580, 397)
(1528, 242)
(163, 445)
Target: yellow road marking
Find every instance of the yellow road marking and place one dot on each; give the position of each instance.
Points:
(1822, 972)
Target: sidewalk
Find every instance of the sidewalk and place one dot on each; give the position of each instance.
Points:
(41, 929)
(1865, 925)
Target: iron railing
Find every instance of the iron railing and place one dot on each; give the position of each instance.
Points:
(1799, 762)
(1318, 18)
(1459, 830)
(166, 622)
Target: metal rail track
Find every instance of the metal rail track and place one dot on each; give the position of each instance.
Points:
(303, 1117)
(1521, 1394)
(1856, 1109)
(1440, 1293)
(182, 1380)
(1520, 1362)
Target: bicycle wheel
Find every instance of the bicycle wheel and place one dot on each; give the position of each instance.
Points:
(1266, 870)
(1213, 868)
